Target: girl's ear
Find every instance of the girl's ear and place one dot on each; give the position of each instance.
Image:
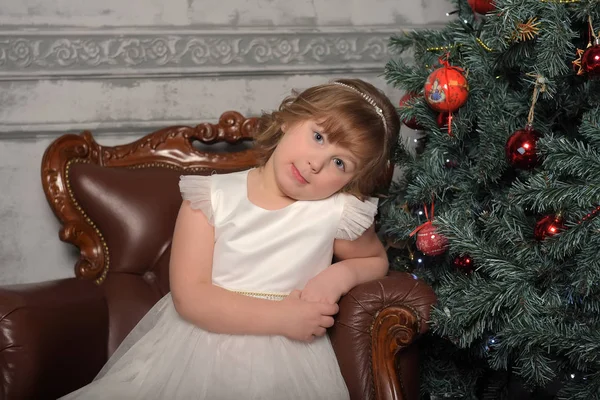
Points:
(284, 127)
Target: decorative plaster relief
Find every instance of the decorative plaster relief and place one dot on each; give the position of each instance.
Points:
(26, 55)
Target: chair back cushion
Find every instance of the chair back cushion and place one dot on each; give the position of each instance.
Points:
(134, 210)
(119, 204)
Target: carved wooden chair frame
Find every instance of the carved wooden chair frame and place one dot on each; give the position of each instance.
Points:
(168, 148)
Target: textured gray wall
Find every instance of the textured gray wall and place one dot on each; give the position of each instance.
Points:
(124, 68)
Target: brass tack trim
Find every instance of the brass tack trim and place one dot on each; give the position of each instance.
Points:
(78, 207)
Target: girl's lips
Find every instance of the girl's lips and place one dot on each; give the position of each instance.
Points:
(298, 175)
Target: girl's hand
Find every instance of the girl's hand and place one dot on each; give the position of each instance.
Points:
(302, 320)
(327, 287)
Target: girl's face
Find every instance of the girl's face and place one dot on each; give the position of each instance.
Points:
(309, 167)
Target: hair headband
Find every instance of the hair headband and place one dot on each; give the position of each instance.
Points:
(369, 99)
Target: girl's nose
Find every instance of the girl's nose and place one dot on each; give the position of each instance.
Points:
(315, 165)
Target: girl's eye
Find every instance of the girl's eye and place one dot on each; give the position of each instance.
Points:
(318, 137)
(339, 163)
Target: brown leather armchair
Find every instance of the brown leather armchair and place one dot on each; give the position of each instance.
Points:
(118, 205)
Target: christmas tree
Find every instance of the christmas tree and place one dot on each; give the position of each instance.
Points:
(497, 208)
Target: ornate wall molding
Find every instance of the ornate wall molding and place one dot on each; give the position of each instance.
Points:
(63, 53)
(99, 128)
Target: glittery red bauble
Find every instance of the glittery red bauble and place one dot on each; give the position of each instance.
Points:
(521, 148)
(411, 123)
(548, 226)
(464, 263)
(590, 61)
(482, 6)
(446, 89)
(430, 242)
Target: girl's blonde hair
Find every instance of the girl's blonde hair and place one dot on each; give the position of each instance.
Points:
(348, 120)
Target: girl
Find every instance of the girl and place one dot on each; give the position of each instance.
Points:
(244, 240)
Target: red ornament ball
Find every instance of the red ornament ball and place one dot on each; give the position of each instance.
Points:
(430, 242)
(590, 61)
(548, 226)
(464, 263)
(482, 6)
(411, 123)
(521, 148)
(446, 89)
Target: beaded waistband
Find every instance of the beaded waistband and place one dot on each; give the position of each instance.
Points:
(263, 295)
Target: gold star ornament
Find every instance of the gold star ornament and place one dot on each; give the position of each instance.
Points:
(577, 63)
(526, 30)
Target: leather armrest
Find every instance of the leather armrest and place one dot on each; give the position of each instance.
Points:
(53, 338)
(377, 320)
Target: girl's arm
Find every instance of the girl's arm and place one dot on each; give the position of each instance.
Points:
(218, 310)
(361, 260)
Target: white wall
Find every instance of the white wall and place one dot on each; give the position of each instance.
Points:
(124, 68)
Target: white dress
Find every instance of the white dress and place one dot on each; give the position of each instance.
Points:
(264, 253)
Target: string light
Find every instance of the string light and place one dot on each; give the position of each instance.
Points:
(466, 22)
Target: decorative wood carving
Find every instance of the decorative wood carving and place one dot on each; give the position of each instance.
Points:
(394, 328)
(170, 147)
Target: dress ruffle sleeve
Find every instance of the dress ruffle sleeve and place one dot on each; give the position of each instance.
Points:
(197, 190)
(357, 217)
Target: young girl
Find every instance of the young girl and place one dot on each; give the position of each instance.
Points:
(253, 289)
